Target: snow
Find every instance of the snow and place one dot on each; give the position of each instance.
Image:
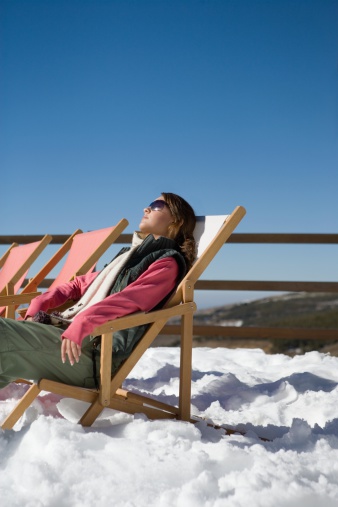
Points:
(130, 461)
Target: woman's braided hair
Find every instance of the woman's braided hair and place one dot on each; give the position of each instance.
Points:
(183, 227)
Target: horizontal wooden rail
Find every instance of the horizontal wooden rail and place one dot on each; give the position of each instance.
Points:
(278, 238)
(293, 238)
(244, 285)
(267, 286)
(266, 333)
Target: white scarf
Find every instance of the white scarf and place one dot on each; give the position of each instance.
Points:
(100, 287)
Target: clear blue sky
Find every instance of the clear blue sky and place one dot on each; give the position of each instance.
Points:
(106, 103)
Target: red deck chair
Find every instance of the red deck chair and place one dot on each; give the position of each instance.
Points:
(15, 264)
(84, 250)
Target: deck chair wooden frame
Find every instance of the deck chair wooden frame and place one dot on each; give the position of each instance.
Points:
(111, 394)
(6, 254)
(84, 249)
(15, 264)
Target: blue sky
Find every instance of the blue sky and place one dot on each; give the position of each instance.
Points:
(106, 103)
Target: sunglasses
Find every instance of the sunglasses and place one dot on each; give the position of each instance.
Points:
(157, 205)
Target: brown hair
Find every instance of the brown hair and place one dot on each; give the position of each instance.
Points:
(183, 227)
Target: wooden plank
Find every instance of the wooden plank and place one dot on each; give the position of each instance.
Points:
(277, 238)
(91, 413)
(286, 238)
(257, 285)
(140, 318)
(18, 411)
(58, 239)
(257, 332)
(249, 285)
(78, 393)
(144, 400)
(18, 299)
(105, 374)
(185, 367)
(136, 408)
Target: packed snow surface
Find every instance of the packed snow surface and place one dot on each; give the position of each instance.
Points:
(130, 461)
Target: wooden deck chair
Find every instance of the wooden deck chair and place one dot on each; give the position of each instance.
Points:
(84, 250)
(181, 304)
(15, 264)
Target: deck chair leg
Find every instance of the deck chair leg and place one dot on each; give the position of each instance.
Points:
(19, 410)
(103, 398)
(10, 309)
(91, 413)
(186, 367)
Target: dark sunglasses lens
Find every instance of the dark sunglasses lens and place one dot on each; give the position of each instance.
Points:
(157, 205)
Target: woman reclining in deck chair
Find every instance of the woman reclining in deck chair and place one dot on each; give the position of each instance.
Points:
(139, 278)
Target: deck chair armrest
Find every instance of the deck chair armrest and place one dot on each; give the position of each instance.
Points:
(140, 318)
(136, 319)
(18, 299)
(12, 301)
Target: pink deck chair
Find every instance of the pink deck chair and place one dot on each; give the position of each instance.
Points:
(84, 250)
(15, 264)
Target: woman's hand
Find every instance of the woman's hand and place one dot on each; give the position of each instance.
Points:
(70, 349)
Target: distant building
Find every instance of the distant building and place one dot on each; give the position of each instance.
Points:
(231, 323)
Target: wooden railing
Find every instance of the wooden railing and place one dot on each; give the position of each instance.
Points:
(243, 285)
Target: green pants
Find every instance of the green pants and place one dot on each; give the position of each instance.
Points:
(32, 351)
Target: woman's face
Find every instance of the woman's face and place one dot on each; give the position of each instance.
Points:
(156, 221)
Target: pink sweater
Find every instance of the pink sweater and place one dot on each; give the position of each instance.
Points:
(142, 295)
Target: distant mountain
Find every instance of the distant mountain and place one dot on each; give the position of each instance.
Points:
(314, 310)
